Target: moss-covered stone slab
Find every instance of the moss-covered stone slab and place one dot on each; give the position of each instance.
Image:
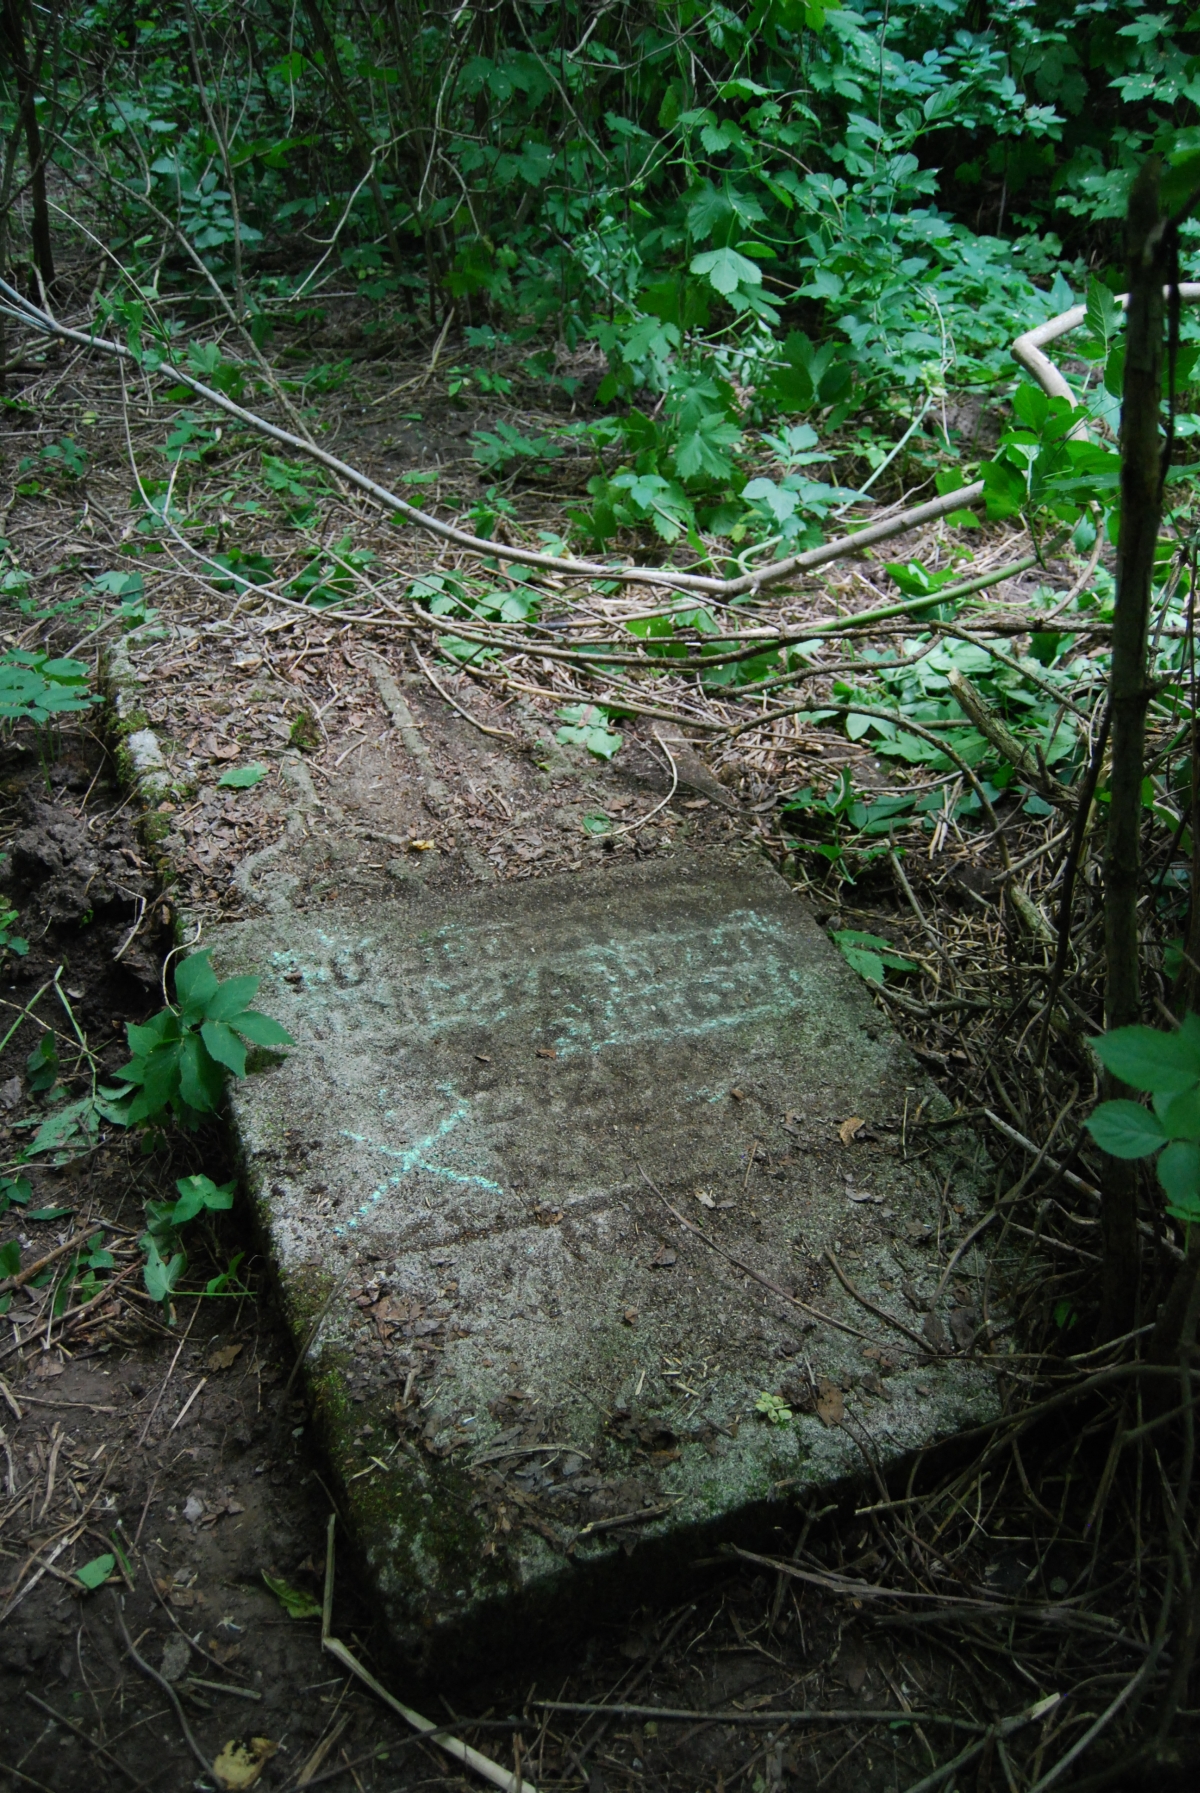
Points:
(556, 1171)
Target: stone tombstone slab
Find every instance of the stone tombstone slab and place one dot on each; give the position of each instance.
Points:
(553, 1172)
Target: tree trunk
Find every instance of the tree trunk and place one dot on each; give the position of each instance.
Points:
(1141, 514)
(13, 17)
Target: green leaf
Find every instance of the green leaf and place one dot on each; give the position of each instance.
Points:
(597, 740)
(869, 955)
(867, 964)
(1126, 1130)
(94, 1574)
(1104, 316)
(224, 1046)
(10, 1257)
(726, 270)
(1147, 1058)
(159, 1078)
(261, 1030)
(200, 1079)
(1179, 1174)
(16, 1190)
(1180, 1115)
(75, 1125)
(196, 1194)
(195, 983)
(41, 1067)
(241, 778)
(231, 998)
(159, 1276)
(48, 1213)
(294, 1601)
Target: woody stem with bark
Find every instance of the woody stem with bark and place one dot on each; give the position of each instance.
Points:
(12, 35)
(1129, 695)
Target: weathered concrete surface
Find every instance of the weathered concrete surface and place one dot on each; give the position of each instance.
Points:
(528, 1369)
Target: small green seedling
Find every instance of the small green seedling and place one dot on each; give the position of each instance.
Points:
(10, 942)
(774, 1409)
(294, 1601)
(868, 954)
(587, 726)
(166, 1259)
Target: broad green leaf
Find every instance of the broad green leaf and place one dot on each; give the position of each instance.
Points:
(242, 778)
(1147, 1058)
(295, 1602)
(75, 1124)
(261, 1030)
(160, 1077)
(15, 1189)
(224, 1045)
(1180, 1115)
(195, 983)
(200, 1079)
(160, 1276)
(867, 964)
(1179, 1173)
(196, 1194)
(1126, 1129)
(231, 998)
(10, 1257)
(94, 1574)
(726, 270)
(868, 954)
(144, 1039)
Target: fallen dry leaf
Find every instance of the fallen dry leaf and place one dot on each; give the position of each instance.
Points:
(630, 1316)
(483, 1058)
(850, 1127)
(739, 1095)
(241, 1762)
(964, 1322)
(706, 1198)
(421, 846)
(546, 1052)
(933, 1330)
(225, 1358)
(663, 1258)
(831, 1403)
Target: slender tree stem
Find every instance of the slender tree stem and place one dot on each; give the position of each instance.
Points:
(1141, 514)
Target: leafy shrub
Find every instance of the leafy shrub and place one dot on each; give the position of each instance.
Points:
(1167, 1067)
(166, 1258)
(180, 1057)
(34, 686)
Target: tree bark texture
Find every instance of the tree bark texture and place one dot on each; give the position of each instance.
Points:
(1141, 514)
(12, 28)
